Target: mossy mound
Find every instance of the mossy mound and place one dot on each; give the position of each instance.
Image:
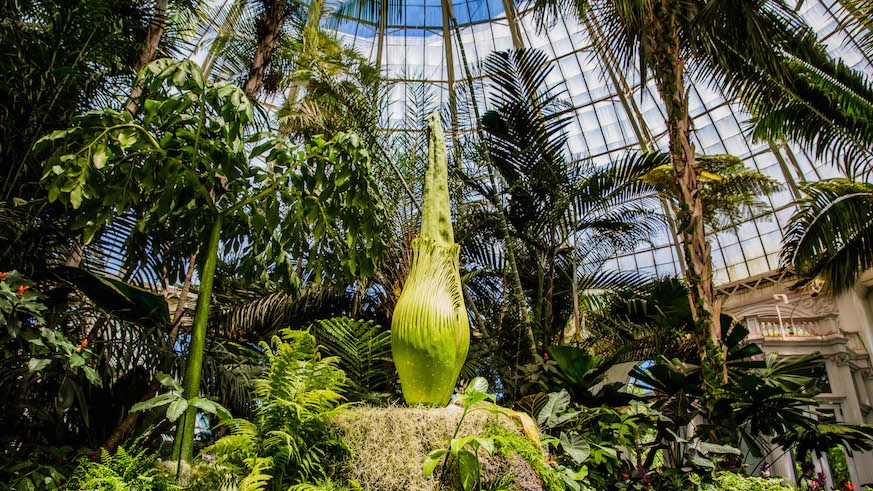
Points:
(389, 445)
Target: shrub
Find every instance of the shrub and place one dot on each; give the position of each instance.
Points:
(130, 468)
(728, 481)
(289, 441)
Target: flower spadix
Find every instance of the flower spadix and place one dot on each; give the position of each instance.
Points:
(430, 332)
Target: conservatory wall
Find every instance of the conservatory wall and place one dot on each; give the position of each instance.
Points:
(791, 321)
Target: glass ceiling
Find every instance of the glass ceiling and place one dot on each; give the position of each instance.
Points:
(613, 113)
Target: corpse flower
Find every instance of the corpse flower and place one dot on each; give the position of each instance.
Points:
(430, 332)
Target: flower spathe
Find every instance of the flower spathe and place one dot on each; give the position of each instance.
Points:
(430, 331)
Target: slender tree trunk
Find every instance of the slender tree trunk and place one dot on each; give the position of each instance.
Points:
(548, 297)
(269, 28)
(669, 68)
(183, 447)
(517, 288)
(130, 419)
(149, 50)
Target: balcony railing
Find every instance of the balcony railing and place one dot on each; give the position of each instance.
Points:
(769, 327)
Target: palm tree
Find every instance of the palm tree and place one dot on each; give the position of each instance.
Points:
(820, 103)
(859, 20)
(557, 220)
(730, 192)
(831, 235)
(669, 39)
(249, 42)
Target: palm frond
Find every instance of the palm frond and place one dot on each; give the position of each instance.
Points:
(831, 234)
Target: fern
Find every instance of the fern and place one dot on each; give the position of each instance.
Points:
(364, 351)
(131, 468)
(288, 442)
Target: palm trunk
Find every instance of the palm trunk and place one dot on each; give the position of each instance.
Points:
(517, 288)
(669, 67)
(183, 447)
(149, 50)
(268, 29)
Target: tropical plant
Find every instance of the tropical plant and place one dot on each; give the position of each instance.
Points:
(464, 452)
(364, 352)
(830, 236)
(860, 22)
(430, 331)
(61, 58)
(176, 402)
(669, 38)
(543, 226)
(730, 192)
(161, 168)
(820, 103)
(579, 372)
(288, 442)
(131, 467)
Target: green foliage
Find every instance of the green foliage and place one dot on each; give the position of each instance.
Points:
(288, 441)
(364, 352)
(830, 236)
(464, 452)
(729, 481)
(21, 311)
(162, 165)
(35, 472)
(60, 58)
(118, 298)
(177, 403)
(189, 169)
(731, 193)
(578, 371)
(130, 468)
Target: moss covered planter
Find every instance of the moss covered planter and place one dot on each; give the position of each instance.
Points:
(388, 446)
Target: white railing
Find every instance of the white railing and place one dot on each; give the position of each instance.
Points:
(792, 328)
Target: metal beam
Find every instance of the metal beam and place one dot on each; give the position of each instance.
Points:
(448, 14)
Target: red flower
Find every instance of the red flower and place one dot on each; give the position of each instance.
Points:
(2, 275)
(21, 290)
(93, 458)
(624, 475)
(82, 346)
(546, 356)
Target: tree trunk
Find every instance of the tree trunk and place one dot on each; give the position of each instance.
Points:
(130, 419)
(269, 28)
(663, 40)
(149, 50)
(183, 447)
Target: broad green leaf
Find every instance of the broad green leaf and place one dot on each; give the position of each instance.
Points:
(469, 469)
(176, 409)
(168, 381)
(702, 462)
(157, 401)
(37, 364)
(553, 411)
(432, 460)
(92, 375)
(708, 448)
(99, 156)
(123, 300)
(575, 446)
(211, 407)
(478, 384)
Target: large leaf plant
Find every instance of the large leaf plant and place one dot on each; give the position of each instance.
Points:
(190, 158)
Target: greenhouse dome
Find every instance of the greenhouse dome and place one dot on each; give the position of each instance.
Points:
(431, 42)
(453, 245)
